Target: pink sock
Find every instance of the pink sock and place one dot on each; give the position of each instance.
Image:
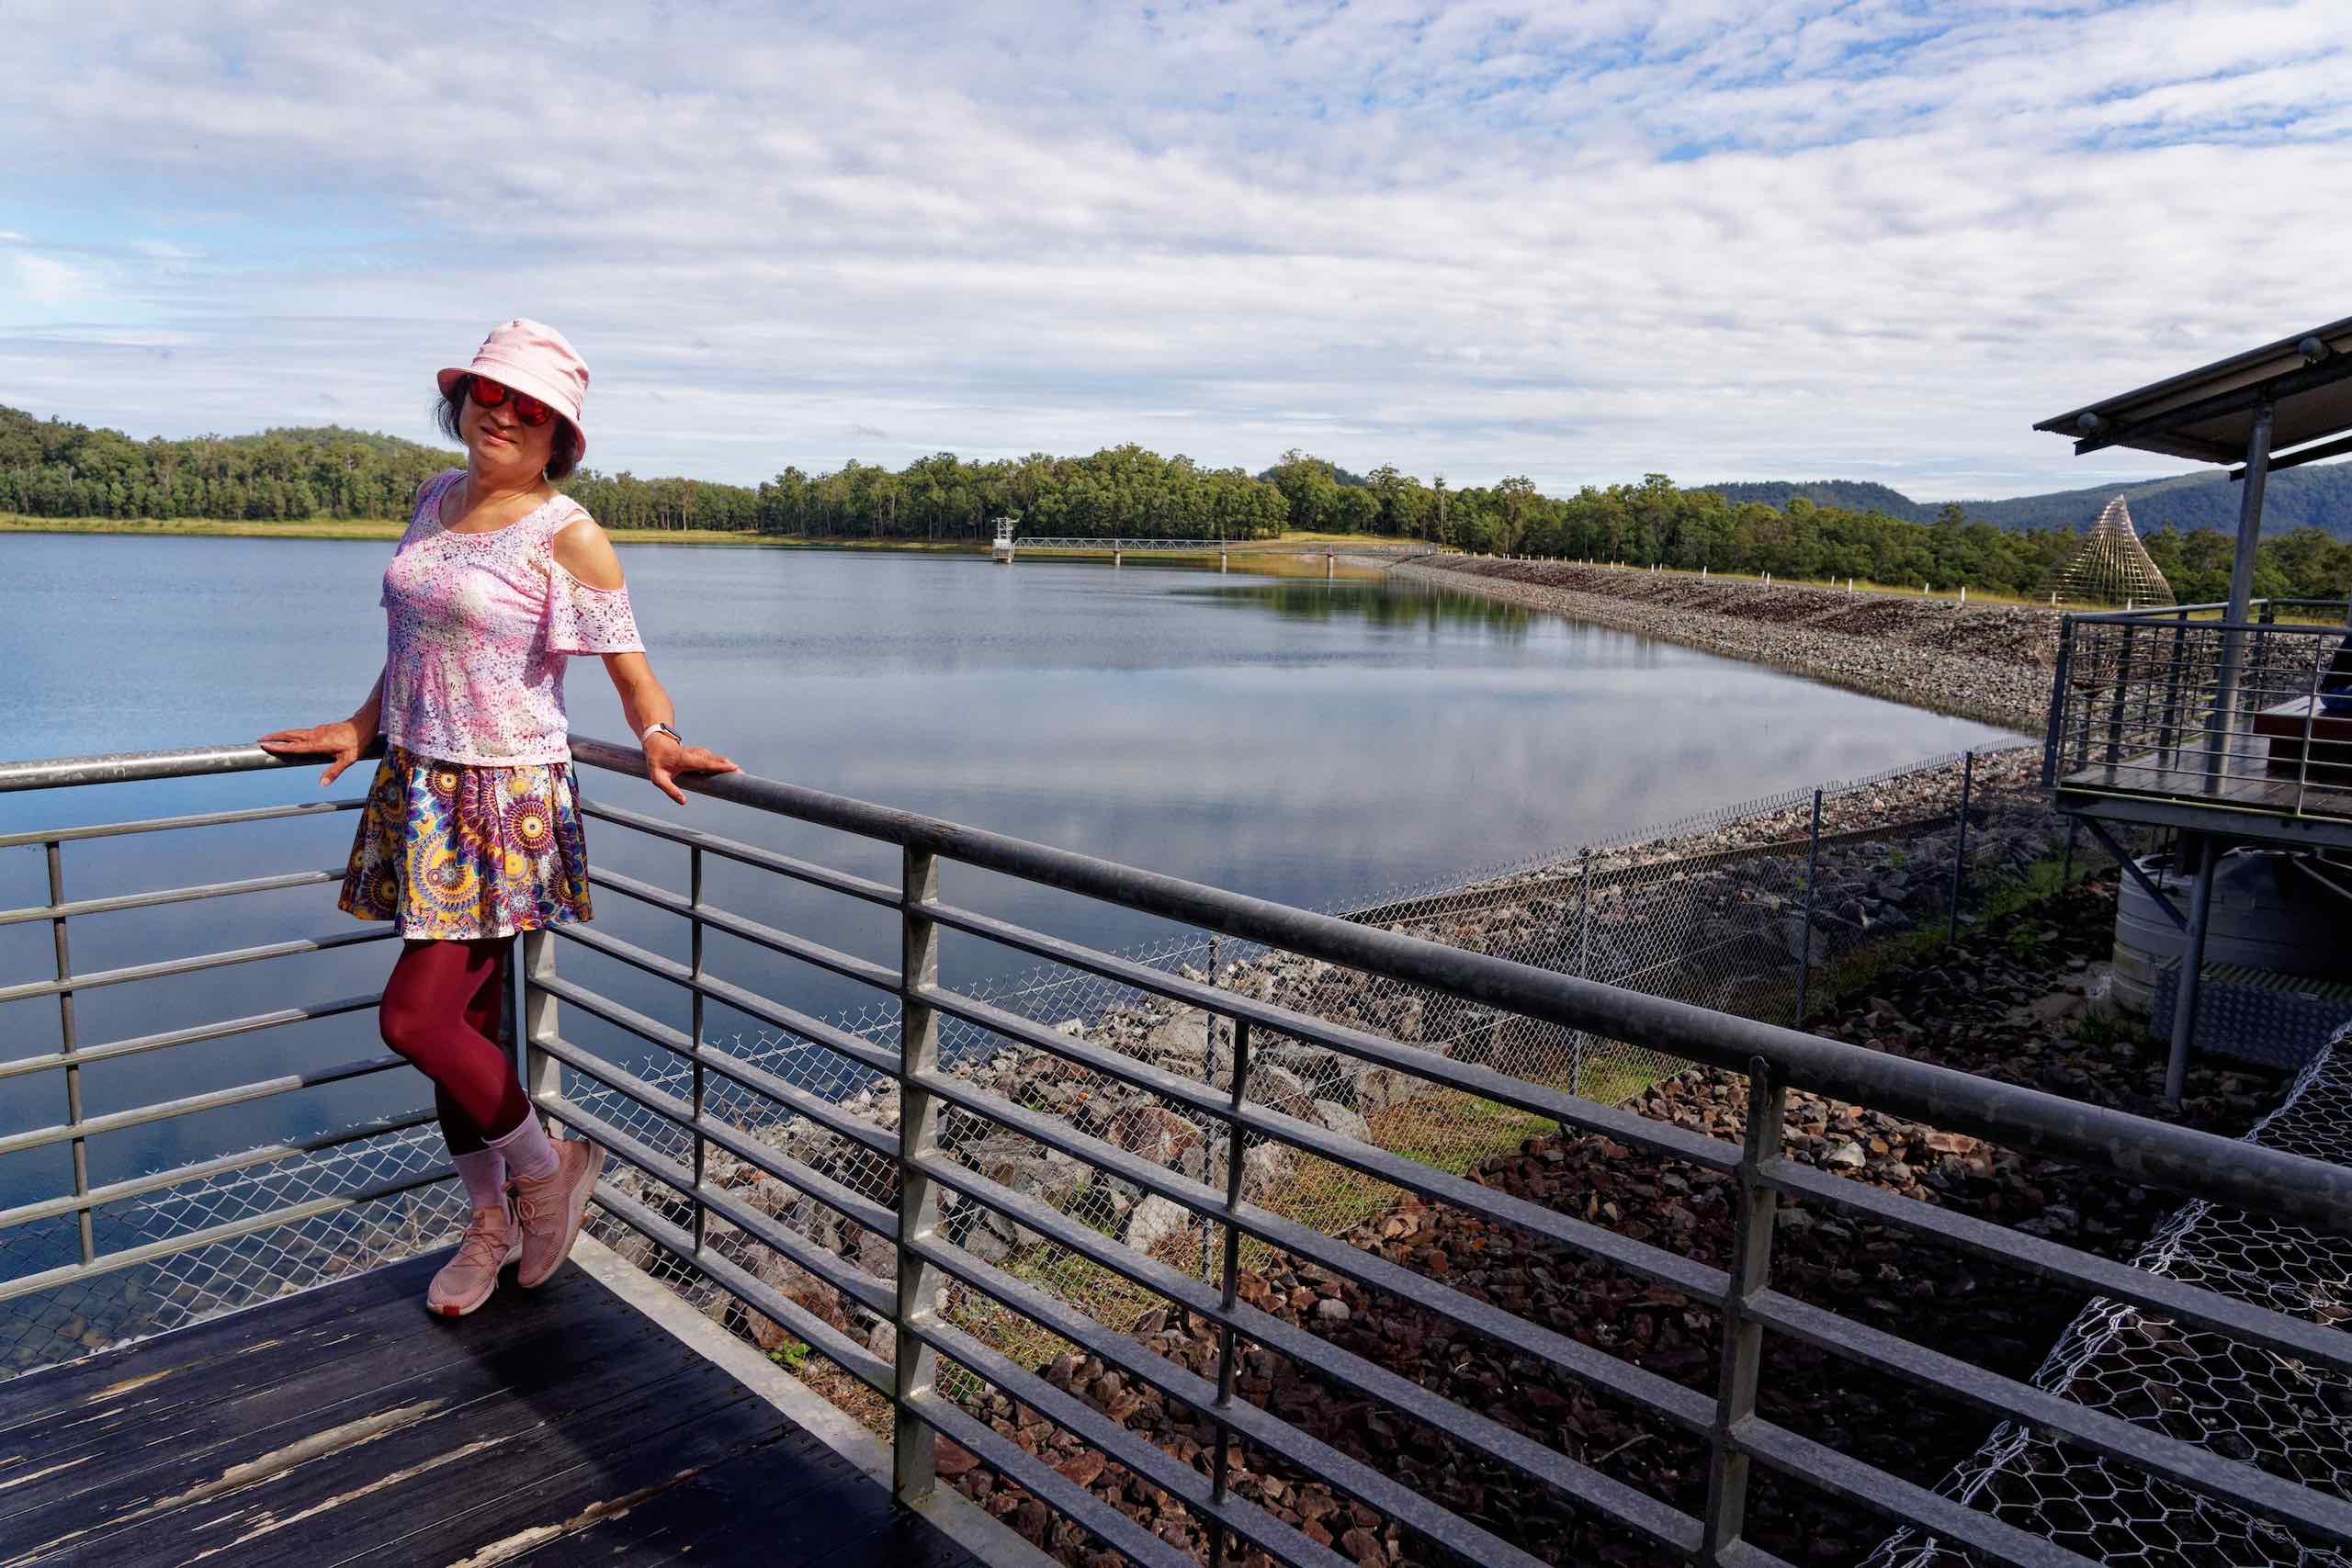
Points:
(484, 1174)
(529, 1153)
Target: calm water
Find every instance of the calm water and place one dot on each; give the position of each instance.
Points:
(1312, 743)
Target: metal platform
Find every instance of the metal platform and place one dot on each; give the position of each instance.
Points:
(344, 1426)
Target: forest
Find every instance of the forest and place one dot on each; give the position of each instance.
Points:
(53, 468)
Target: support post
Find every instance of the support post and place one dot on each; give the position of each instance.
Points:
(2225, 695)
(1743, 1346)
(542, 1074)
(2187, 994)
(66, 1041)
(913, 1470)
(1221, 1464)
(1959, 851)
(1812, 880)
(2066, 869)
(702, 1145)
(2115, 706)
(1584, 959)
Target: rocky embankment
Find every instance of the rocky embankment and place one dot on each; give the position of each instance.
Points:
(1981, 661)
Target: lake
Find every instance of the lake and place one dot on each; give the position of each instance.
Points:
(1321, 743)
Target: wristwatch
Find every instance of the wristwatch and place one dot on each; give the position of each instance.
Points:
(653, 729)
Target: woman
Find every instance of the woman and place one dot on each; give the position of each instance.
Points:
(471, 831)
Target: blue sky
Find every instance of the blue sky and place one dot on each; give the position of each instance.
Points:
(1581, 242)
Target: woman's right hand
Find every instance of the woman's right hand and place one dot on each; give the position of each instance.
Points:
(340, 740)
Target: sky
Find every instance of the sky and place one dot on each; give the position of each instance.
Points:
(1582, 241)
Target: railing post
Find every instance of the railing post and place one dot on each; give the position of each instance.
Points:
(1584, 959)
(1743, 1346)
(2122, 692)
(913, 1473)
(702, 1145)
(1208, 1080)
(2054, 745)
(1812, 880)
(2168, 732)
(66, 1040)
(1959, 849)
(1221, 1463)
(542, 1074)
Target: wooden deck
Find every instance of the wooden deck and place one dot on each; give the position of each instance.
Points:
(343, 1425)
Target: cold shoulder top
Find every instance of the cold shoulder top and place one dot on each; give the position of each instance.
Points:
(479, 628)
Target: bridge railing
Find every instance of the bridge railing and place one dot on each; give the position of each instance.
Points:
(924, 1245)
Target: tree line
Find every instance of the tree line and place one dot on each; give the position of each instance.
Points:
(53, 468)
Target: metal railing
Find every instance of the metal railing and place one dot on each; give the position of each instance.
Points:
(84, 1201)
(1776, 1060)
(701, 1222)
(2183, 704)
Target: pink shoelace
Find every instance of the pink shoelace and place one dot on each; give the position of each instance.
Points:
(482, 1245)
(528, 1211)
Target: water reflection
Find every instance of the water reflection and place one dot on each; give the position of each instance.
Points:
(1394, 603)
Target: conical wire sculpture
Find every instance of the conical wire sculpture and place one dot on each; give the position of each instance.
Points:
(2109, 567)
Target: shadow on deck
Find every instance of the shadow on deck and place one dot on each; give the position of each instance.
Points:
(344, 1426)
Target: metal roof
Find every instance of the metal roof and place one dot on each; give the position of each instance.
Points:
(2208, 413)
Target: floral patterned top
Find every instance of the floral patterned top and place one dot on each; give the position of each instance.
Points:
(479, 627)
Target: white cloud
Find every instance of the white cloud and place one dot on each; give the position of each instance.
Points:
(1465, 241)
(48, 282)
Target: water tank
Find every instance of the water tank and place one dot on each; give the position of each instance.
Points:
(2264, 915)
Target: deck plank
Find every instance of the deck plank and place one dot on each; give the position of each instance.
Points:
(826, 1513)
(286, 1378)
(346, 1426)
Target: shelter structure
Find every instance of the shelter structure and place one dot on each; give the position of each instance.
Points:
(2109, 567)
(2214, 719)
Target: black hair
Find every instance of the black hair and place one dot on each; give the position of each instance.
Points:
(562, 457)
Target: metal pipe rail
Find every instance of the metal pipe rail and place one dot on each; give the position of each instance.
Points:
(1775, 1059)
(82, 1200)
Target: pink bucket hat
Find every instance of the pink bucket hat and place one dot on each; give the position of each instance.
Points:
(534, 358)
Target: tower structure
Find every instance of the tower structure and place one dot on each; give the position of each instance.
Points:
(2109, 567)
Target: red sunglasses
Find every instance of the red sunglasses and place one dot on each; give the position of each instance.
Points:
(490, 394)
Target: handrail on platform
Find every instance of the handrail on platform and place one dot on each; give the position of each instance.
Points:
(1774, 1059)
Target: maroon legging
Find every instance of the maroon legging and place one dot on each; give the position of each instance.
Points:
(440, 1010)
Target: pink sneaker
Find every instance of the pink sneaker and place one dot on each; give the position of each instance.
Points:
(549, 1210)
(492, 1241)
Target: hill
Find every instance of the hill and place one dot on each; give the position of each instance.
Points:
(2318, 496)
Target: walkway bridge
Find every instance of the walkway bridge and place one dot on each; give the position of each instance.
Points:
(603, 1419)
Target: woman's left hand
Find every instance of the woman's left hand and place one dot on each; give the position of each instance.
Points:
(665, 757)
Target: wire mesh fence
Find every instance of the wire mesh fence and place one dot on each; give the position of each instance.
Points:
(2243, 1403)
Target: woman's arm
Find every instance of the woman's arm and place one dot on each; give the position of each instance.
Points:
(582, 550)
(644, 702)
(343, 739)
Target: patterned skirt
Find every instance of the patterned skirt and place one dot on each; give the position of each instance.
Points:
(451, 851)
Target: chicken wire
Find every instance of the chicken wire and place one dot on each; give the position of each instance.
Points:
(2243, 1403)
